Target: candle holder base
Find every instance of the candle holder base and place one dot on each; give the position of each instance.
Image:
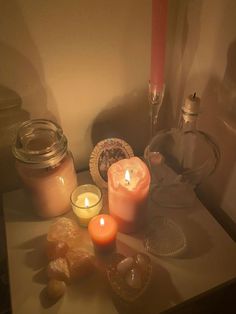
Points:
(164, 238)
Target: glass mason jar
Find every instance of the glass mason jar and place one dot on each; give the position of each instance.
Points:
(45, 166)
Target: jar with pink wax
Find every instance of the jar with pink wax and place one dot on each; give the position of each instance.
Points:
(45, 166)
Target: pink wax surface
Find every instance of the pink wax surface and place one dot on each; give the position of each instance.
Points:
(159, 27)
(49, 189)
(128, 201)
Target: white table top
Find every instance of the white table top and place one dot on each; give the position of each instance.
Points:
(210, 260)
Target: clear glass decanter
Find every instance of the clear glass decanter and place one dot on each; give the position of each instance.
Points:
(180, 158)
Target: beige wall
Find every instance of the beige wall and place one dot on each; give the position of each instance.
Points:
(82, 63)
(86, 65)
(202, 58)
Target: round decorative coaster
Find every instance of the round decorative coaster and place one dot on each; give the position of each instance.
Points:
(164, 238)
(104, 154)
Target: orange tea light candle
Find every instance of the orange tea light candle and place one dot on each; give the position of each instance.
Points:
(103, 230)
(128, 188)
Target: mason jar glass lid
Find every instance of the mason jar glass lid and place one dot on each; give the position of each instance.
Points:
(39, 143)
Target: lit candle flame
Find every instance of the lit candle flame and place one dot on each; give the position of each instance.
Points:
(86, 202)
(127, 176)
(62, 180)
(102, 221)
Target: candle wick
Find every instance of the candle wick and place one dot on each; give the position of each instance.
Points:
(86, 203)
(194, 95)
(127, 177)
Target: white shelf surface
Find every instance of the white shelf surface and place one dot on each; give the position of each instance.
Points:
(209, 261)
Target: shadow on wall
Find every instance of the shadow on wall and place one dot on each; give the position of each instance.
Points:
(127, 117)
(218, 102)
(18, 72)
(219, 120)
(11, 115)
(181, 52)
(166, 119)
(22, 83)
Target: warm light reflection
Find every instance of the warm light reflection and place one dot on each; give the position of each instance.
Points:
(62, 180)
(86, 202)
(102, 221)
(127, 176)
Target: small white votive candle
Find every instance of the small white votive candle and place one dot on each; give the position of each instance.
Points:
(87, 202)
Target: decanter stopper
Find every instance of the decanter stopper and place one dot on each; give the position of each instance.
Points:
(191, 105)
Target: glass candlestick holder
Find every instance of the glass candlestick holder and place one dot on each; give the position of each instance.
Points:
(156, 96)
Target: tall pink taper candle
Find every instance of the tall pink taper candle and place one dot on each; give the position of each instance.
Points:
(159, 26)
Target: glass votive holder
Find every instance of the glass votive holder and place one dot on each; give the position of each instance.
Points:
(87, 202)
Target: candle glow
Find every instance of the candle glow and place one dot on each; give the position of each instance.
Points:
(86, 202)
(127, 176)
(103, 230)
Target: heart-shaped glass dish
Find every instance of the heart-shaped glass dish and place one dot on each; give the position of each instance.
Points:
(165, 238)
(120, 282)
